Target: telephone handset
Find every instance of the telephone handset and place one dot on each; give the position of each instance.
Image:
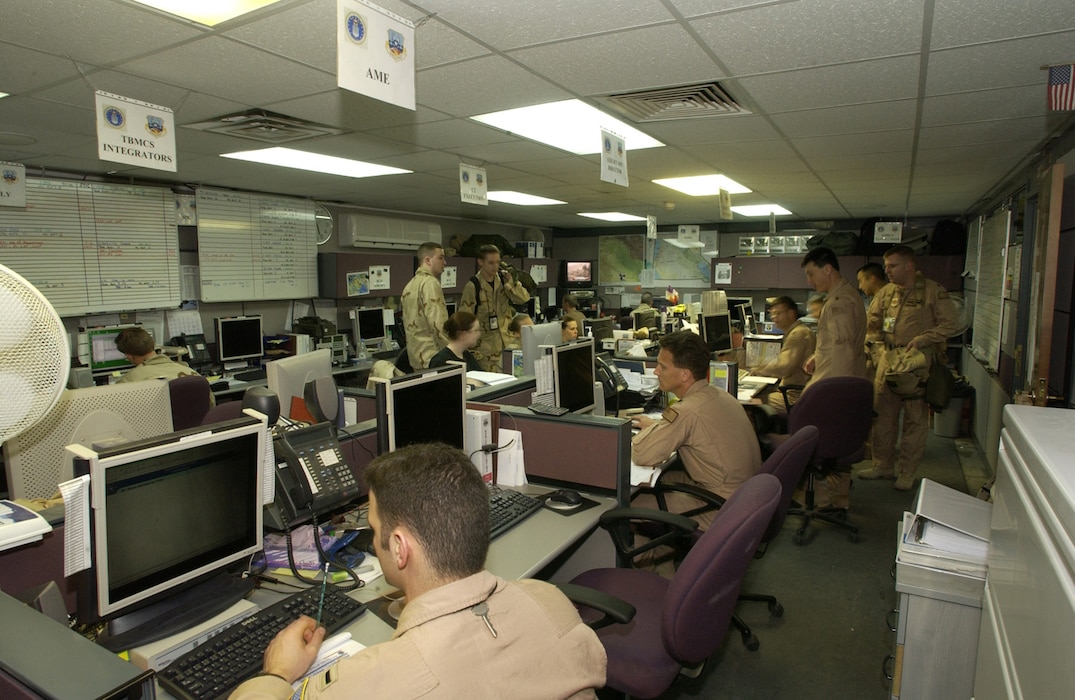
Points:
(612, 381)
(195, 344)
(311, 473)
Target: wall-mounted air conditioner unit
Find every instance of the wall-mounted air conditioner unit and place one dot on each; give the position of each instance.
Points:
(365, 231)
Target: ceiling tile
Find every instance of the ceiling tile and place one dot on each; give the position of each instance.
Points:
(966, 22)
(876, 116)
(854, 83)
(1002, 64)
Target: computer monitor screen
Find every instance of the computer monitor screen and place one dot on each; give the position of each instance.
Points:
(576, 274)
(96, 415)
(239, 338)
(288, 378)
(451, 306)
(370, 325)
(646, 319)
(168, 514)
(104, 356)
(742, 310)
(600, 328)
(717, 332)
(573, 375)
(429, 406)
(533, 337)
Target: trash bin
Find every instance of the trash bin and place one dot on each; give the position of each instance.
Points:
(947, 422)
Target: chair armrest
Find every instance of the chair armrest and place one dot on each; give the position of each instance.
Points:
(613, 610)
(784, 389)
(710, 500)
(672, 529)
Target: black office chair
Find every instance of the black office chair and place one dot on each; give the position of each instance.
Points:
(403, 362)
(190, 399)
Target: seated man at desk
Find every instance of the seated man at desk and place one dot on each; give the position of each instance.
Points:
(796, 348)
(138, 347)
(464, 632)
(707, 427)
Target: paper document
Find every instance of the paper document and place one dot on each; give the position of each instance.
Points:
(76, 530)
(337, 647)
(644, 476)
(490, 378)
(20, 525)
(911, 552)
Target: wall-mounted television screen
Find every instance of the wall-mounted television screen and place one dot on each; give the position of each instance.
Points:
(577, 274)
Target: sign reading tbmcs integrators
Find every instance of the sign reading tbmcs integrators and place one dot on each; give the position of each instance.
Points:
(135, 133)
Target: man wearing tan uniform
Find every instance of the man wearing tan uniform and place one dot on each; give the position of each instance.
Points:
(841, 346)
(489, 296)
(464, 633)
(707, 427)
(796, 347)
(915, 313)
(424, 310)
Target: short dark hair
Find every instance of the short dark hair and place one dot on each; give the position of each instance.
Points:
(688, 351)
(487, 249)
(786, 302)
(516, 324)
(428, 250)
(821, 257)
(570, 300)
(436, 493)
(647, 298)
(875, 270)
(904, 251)
(459, 322)
(135, 341)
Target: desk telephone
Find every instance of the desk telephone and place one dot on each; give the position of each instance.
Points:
(196, 347)
(612, 380)
(311, 473)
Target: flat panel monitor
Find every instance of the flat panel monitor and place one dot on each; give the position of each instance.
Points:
(168, 516)
(239, 339)
(289, 376)
(369, 324)
(104, 355)
(600, 328)
(573, 375)
(717, 332)
(533, 337)
(427, 406)
(742, 310)
(96, 415)
(646, 319)
(577, 274)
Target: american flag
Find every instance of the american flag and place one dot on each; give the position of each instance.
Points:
(1061, 90)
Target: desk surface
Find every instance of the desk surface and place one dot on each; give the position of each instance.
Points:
(237, 387)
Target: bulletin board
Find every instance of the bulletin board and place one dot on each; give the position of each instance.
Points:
(94, 247)
(255, 246)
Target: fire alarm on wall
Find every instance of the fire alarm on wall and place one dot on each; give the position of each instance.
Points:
(887, 232)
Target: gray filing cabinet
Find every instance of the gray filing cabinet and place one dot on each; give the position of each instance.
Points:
(936, 633)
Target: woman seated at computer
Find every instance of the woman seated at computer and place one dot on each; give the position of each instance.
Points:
(464, 332)
(569, 330)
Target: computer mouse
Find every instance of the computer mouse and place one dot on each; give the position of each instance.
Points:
(565, 497)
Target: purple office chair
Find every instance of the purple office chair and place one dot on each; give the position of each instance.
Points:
(678, 623)
(222, 412)
(841, 408)
(190, 400)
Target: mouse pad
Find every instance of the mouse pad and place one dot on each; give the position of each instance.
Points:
(559, 509)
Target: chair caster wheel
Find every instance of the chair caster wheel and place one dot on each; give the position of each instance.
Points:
(853, 537)
(776, 610)
(751, 644)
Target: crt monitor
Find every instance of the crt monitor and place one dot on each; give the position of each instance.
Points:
(533, 337)
(427, 406)
(289, 376)
(369, 326)
(104, 356)
(92, 416)
(646, 319)
(577, 274)
(167, 517)
(239, 339)
(717, 332)
(573, 375)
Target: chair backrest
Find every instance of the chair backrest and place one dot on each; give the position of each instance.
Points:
(842, 410)
(702, 596)
(223, 411)
(190, 400)
(787, 464)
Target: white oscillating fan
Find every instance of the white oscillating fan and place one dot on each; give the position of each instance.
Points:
(34, 356)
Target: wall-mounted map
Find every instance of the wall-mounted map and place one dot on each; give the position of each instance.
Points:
(620, 259)
(683, 267)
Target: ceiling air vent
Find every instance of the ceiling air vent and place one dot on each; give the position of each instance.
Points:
(264, 126)
(683, 102)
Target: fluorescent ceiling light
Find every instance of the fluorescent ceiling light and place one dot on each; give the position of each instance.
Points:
(612, 216)
(520, 198)
(570, 125)
(315, 162)
(3, 95)
(207, 12)
(761, 210)
(703, 185)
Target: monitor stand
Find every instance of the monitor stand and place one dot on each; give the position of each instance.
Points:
(176, 613)
(237, 366)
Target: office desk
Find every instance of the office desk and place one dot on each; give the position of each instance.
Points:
(236, 387)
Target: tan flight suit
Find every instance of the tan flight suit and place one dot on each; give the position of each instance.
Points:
(796, 348)
(493, 302)
(924, 313)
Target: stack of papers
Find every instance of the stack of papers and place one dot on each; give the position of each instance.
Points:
(949, 530)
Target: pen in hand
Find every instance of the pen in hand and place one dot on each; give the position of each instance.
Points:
(324, 585)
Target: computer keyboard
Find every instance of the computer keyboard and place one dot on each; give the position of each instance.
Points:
(547, 409)
(508, 508)
(252, 375)
(215, 668)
